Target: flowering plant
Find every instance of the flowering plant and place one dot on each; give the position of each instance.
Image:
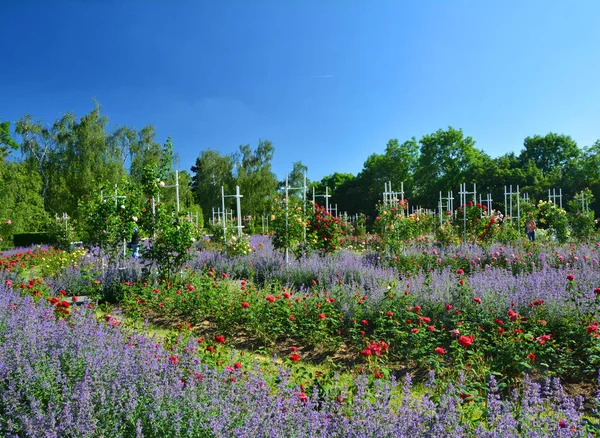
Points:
(325, 230)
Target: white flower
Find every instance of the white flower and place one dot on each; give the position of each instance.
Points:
(193, 239)
(134, 218)
(162, 183)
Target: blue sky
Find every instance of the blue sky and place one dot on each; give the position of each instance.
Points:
(328, 82)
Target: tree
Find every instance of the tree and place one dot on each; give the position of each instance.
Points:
(548, 153)
(211, 171)
(36, 146)
(296, 178)
(447, 159)
(86, 158)
(6, 141)
(258, 184)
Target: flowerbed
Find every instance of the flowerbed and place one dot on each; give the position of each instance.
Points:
(81, 377)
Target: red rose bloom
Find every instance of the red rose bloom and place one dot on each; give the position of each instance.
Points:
(466, 341)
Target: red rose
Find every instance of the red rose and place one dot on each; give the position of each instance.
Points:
(321, 316)
(440, 350)
(220, 339)
(466, 341)
(270, 298)
(294, 357)
(245, 305)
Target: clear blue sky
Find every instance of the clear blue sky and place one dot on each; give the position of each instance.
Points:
(327, 81)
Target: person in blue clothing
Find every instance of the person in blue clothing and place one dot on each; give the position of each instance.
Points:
(135, 242)
(530, 228)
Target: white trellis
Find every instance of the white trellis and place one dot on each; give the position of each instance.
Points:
(509, 203)
(509, 207)
(191, 216)
(265, 224)
(326, 196)
(333, 210)
(580, 197)
(239, 225)
(219, 215)
(445, 204)
(552, 197)
(176, 185)
(463, 201)
(116, 197)
(390, 196)
(287, 201)
(487, 201)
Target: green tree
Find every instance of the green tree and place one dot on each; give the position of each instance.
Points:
(211, 172)
(6, 141)
(447, 159)
(258, 184)
(549, 153)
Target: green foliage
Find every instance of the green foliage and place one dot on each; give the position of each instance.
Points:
(582, 222)
(169, 250)
(480, 226)
(551, 152)
(289, 224)
(173, 235)
(447, 159)
(555, 219)
(107, 222)
(325, 231)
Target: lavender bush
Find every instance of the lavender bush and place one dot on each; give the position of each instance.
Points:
(84, 378)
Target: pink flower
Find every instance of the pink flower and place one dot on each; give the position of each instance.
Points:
(9, 222)
(570, 277)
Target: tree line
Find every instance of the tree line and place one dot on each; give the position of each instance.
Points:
(50, 169)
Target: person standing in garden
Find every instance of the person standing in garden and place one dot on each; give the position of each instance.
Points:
(530, 228)
(135, 242)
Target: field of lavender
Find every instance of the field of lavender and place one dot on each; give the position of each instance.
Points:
(487, 334)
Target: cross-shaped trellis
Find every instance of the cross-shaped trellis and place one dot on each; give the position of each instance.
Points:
(508, 204)
(237, 197)
(287, 199)
(445, 204)
(552, 197)
(463, 201)
(116, 197)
